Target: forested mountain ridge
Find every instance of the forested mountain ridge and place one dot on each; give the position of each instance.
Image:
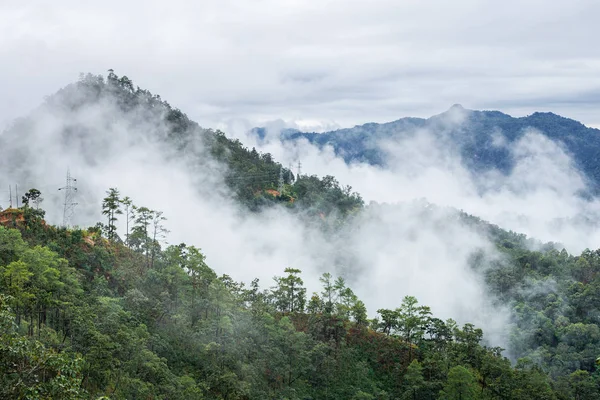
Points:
(114, 311)
(482, 138)
(252, 177)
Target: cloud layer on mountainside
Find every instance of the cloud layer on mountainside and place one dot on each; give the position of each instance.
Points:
(540, 196)
(385, 253)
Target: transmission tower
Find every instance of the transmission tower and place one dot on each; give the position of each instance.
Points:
(291, 176)
(70, 190)
(280, 186)
(299, 170)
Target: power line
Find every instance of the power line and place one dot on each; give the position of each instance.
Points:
(15, 200)
(32, 186)
(69, 205)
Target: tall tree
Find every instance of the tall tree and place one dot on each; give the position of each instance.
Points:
(202, 277)
(158, 233)
(413, 382)
(329, 293)
(359, 313)
(389, 320)
(412, 321)
(129, 215)
(31, 215)
(345, 298)
(111, 207)
(290, 294)
(139, 238)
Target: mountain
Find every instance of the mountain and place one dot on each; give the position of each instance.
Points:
(95, 120)
(482, 138)
(86, 314)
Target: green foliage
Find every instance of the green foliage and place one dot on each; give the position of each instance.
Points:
(289, 294)
(29, 370)
(461, 385)
(111, 207)
(414, 383)
(325, 197)
(160, 323)
(11, 245)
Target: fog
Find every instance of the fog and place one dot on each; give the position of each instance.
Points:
(540, 197)
(406, 247)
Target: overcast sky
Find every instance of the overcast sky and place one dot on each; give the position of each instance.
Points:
(321, 63)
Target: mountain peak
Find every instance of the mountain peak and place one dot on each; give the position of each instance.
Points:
(456, 107)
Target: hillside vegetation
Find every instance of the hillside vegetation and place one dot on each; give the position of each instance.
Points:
(112, 311)
(84, 316)
(247, 173)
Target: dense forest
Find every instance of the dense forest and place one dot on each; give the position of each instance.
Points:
(85, 315)
(111, 311)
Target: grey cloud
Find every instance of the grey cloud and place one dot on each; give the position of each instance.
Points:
(349, 62)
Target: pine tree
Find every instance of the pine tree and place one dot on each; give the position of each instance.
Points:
(111, 207)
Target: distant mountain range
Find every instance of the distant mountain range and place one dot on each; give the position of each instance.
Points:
(475, 133)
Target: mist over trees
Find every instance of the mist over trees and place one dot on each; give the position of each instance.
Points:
(157, 321)
(115, 310)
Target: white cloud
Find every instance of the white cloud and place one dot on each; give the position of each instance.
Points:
(540, 197)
